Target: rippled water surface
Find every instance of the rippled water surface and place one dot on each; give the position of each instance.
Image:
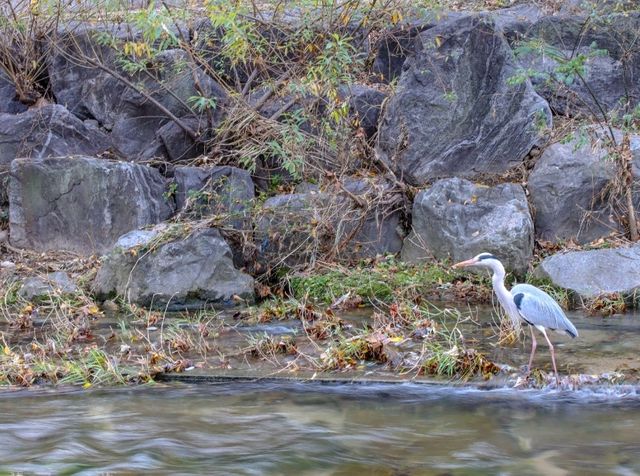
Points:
(315, 429)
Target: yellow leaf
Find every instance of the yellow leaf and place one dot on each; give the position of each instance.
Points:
(439, 41)
(396, 17)
(86, 385)
(6, 350)
(396, 339)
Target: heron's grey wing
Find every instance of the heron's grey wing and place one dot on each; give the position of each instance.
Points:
(539, 309)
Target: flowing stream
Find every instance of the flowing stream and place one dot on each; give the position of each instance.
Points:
(320, 429)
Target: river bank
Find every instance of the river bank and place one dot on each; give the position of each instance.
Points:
(384, 321)
(162, 165)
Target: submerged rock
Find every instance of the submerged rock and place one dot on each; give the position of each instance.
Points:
(81, 204)
(168, 268)
(38, 287)
(595, 272)
(456, 219)
(454, 113)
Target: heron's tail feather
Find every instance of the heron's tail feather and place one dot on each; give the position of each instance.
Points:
(571, 330)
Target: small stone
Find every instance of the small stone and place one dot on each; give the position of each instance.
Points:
(37, 287)
(110, 306)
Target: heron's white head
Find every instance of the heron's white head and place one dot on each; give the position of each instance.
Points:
(483, 260)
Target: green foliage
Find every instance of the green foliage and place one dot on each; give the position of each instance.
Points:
(240, 39)
(201, 103)
(567, 68)
(383, 281)
(171, 191)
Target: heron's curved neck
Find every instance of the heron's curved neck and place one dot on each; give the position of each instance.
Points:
(504, 296)
(498, 280)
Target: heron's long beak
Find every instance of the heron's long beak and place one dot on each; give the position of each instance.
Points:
(464, 264)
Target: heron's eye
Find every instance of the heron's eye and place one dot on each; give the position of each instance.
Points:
(485, 256)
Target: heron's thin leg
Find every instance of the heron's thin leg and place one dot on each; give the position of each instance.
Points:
(553, 356)
(534, 344)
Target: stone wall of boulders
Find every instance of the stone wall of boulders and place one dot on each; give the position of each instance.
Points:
(466, 160)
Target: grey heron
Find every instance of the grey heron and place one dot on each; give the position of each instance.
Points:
(527, 303)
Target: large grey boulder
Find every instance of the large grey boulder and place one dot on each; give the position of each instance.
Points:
(376, 228)
(456, 219)
(515, 22)
(567, 186)
(454, 113)
(227, 192)
(167, 268)
(50, 131)
(295, 229)
(298, 229)
(611, 74)
(81, 204)
(595, 272)
(399, 43)
(137, 121)
(74, 82)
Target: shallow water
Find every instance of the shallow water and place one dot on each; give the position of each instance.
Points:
(316, 429)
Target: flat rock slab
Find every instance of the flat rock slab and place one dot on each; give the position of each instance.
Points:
(81, 204)
(457, 219)
(596, 272)
(170, 269)
(454, 112)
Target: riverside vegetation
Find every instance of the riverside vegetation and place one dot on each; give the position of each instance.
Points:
(327, 159)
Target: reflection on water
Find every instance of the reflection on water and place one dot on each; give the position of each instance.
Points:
(313, 429)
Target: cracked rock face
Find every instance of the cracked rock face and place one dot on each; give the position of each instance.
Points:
(566, 188)
(50, 131)
(610, 75)
(454, 112)
(81, 204)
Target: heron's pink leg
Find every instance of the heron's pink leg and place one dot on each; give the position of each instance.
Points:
(553, 356)
(534, 344)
